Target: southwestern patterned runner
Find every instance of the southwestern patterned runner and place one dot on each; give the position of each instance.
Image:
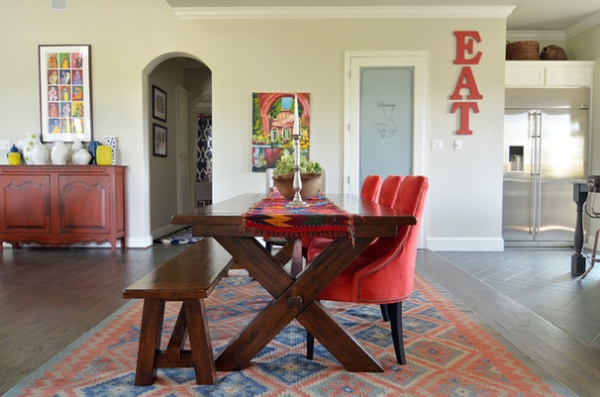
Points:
(271, 218)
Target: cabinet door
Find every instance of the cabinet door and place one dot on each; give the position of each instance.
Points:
(84, 204)
(25, 201)
(569, 75)
(524, 74)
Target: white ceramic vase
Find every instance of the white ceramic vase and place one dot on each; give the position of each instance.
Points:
(80, 154)
(81, 157)
(28, 143)
(39, 154)
(60, 153)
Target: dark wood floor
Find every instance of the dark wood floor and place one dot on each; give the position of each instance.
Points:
(50, 297)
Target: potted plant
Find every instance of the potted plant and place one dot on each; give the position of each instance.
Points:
(311, 175)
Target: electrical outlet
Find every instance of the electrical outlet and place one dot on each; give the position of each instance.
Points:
(4, 144)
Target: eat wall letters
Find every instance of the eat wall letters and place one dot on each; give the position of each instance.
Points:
(466, 83)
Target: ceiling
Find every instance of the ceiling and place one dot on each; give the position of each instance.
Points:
(529, 15)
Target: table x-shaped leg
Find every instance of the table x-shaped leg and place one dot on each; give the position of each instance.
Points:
(294, 298)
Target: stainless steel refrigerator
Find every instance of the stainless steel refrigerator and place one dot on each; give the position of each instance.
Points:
(546, 134)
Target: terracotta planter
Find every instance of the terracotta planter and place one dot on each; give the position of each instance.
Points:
(311, 184)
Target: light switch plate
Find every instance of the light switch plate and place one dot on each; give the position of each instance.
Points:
(4, 144)
(437, 144)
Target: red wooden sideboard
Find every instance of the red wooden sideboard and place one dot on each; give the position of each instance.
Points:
(62, 205)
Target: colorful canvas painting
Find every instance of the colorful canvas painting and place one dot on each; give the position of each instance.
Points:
(273, 124)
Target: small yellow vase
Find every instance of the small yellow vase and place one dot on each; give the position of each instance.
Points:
(14, 158)
(104, 155)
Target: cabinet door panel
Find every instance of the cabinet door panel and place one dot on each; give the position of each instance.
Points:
(84, 204)
(25, 201)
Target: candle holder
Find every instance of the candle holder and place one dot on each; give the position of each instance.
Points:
(297, 184)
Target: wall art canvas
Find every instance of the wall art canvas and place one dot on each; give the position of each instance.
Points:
(65, 92)
(272, 126)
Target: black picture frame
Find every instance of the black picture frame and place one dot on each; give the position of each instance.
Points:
(159, 140)
(159, 104)
(65, 74)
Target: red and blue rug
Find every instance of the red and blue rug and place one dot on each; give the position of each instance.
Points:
(448, 354)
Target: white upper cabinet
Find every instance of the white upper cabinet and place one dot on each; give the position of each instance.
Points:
(549, 73)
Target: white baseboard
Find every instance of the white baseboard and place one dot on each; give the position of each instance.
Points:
(140, 242)
(132, 242)
(465, 244)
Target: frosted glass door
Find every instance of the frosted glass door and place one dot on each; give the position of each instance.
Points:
(386, 121)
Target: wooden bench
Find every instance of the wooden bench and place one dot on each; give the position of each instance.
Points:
(189, 277)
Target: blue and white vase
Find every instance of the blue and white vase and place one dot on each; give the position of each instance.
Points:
(112, 142)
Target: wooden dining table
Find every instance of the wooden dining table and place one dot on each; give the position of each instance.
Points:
(294, 293)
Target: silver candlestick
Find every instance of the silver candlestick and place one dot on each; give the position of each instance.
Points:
(297, 184)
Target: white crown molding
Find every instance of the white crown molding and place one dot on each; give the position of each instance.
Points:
(582, 26)
(535, 35)
(343, 12)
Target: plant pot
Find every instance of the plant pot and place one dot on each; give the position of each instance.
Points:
(311, 184)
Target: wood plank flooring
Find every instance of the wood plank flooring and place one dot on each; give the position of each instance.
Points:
(50, 297)
(568, 359)
(542, 281)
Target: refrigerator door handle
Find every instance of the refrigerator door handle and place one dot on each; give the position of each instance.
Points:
(535, 156)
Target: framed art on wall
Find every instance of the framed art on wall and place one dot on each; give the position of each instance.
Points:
(65, 92)
(159, 135)
(159, 104)
(272, 126)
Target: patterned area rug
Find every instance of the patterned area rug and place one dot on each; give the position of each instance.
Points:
(448, 354)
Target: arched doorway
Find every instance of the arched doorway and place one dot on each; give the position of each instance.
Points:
(172, 171)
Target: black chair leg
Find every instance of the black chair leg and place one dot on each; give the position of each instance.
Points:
(384, 313)
(394, 311)
(310, 345)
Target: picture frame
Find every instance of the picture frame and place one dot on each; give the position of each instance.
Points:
(159, 104)
(159, 139)
(65, 92)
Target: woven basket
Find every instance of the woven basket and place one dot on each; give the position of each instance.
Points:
(523, 51)
(553, 53)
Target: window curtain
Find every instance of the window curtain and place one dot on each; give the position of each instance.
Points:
(204, 149)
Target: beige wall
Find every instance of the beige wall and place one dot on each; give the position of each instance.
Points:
(586, 48)
(129, 38)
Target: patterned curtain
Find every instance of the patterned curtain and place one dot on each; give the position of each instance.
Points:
(204, 150)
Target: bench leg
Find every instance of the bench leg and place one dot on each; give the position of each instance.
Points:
(150, 336)
(177, 341)
(202, 354)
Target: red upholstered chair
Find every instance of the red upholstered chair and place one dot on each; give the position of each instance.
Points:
(389, 190)
(370, 190)
(371, 187)
(388, 277)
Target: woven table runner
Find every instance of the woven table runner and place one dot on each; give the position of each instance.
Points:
(271, 217)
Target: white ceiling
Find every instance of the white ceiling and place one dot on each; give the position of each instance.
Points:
(529, 15)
